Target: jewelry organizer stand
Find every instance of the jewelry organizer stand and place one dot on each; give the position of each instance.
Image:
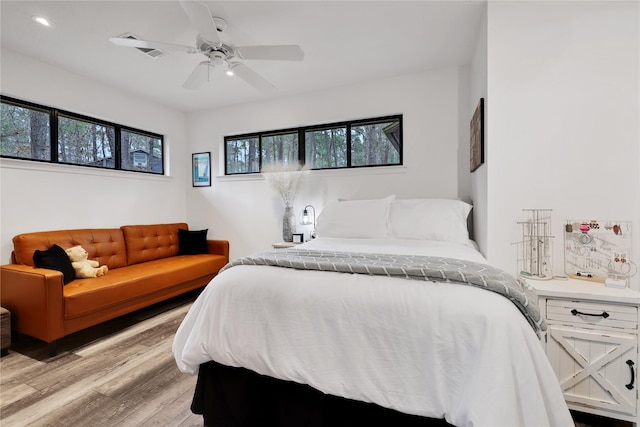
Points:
(599, 251)
(534, 250)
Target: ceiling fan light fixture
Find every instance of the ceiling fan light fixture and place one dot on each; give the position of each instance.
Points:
(218, 53)
(229, 71)
(41, 20)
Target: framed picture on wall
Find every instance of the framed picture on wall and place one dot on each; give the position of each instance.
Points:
(477, 136)
(201, 165)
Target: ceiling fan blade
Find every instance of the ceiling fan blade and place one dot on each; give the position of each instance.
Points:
(251, 77)
(201, 19)
(275, 52)
(198, 76)
(144, 44)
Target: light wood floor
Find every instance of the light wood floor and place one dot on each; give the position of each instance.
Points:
(120, 373)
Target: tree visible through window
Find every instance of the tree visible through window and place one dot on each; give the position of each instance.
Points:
(357, 143)
(281, 149)
(85, 143)
(373, 144)
(140, 152)
(242, 155)
(36, 132)
(326, 148)
(25, 132)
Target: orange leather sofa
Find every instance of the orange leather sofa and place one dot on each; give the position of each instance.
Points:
(144, 268)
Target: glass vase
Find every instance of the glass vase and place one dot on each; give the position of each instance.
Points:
(288, 224)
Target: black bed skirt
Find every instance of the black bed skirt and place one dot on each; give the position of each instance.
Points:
(237, 397)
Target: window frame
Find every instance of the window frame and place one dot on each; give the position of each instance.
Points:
(301, 131)
(258, 150)
(54, 118)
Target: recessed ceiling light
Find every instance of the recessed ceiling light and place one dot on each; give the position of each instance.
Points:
(41, 20)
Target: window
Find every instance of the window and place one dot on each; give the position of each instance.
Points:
(357, 143)
(35, 132)
(374, 144)
(242, 155)
(85, 143)
(280, 148)
(141, 152)
(25, 132)
(326, 148)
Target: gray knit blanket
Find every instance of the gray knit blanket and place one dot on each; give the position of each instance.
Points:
(416, 267)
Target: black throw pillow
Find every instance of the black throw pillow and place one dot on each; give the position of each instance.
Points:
(192, 242)
(55, 258)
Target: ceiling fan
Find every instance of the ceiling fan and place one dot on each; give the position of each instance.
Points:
(218, 53)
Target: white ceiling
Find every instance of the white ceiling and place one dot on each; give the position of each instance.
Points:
(345, 42)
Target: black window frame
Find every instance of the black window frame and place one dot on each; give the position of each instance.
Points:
(54, 117)
(301, 131)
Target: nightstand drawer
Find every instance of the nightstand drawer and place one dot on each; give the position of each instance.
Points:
(581, 313)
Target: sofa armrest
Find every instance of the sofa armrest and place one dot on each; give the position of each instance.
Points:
(219, 247)
(34, 296)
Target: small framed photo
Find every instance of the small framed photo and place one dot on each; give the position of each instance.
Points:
(201, 164)
(298, 237)
(477, 136)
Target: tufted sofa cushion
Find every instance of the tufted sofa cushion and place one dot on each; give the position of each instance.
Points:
(105, 245)
(138, 281)
(150, 242)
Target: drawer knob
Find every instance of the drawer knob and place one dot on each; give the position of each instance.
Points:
(576, 312)
(633, 375)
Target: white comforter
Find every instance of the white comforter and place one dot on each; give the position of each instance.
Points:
(423, 348)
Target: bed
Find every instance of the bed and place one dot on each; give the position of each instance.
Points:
(381, 318)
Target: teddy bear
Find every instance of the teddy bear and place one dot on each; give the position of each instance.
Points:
(84, 267)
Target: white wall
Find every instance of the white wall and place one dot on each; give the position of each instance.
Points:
(464, 116)
(563, 124)
(37, 197)
(478, 179)
(248, 212)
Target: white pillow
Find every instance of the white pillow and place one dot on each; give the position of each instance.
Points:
(355, 218)
(430, 219)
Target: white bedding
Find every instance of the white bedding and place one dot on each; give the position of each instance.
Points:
(467, 252)
(423, 348)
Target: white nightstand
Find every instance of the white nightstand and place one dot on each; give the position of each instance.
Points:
(592, 344)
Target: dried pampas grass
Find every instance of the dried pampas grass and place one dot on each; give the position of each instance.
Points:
(285, 179)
